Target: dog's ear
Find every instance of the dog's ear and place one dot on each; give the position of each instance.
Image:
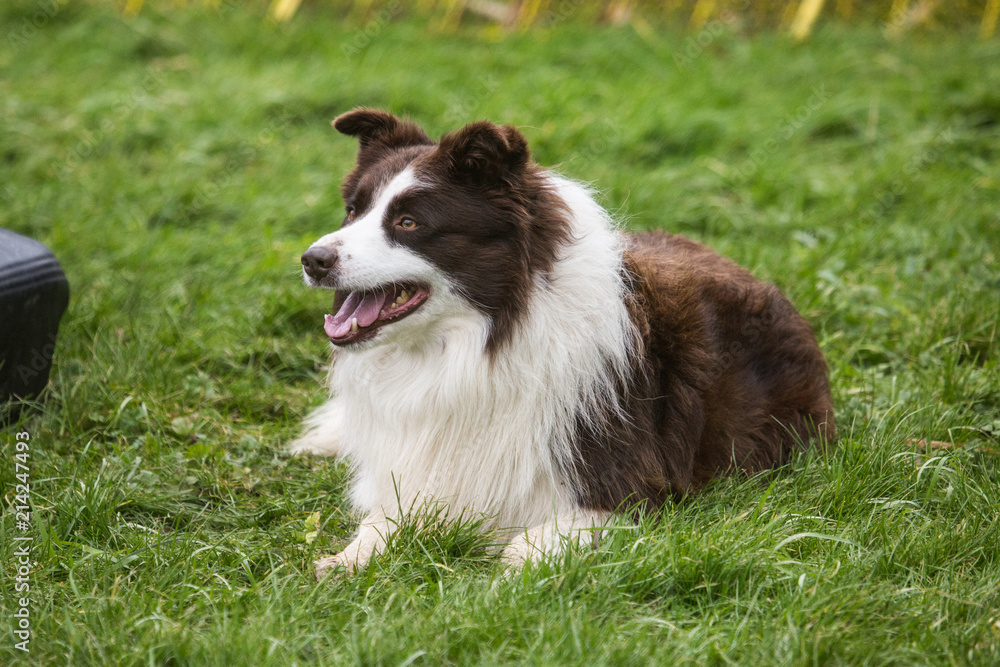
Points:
(485, 153)
(373, 126)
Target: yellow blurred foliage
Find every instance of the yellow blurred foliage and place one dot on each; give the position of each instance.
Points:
(798, 17)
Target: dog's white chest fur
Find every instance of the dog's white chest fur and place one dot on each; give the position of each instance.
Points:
(440, 424)
(436, 418)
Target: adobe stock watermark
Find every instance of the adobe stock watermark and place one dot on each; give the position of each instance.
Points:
(29, 27)
(696, 43)
(247, 152)
(752, 332)
(362, 37)
(602, 137)
(462, 109)
(906, 17)
(940, 141)
(560, 12)
(41, 359)
(786, 129)
(22, 565)
(138, 97)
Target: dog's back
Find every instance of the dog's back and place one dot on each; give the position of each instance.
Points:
(727, 375)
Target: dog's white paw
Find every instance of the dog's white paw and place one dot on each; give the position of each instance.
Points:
(310, 444)
(550, 538)
(329, 564)
(520, 551)
(348, 561)
(336, 564)
(322, 433)
(372, 534)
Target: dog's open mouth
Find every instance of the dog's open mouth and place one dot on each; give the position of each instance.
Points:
(359, 314)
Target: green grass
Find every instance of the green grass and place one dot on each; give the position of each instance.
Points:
(179, 164)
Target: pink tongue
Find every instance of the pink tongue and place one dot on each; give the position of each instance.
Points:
(364, 307)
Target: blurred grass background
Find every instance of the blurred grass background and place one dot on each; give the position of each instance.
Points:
(797, 16)
(178, 159)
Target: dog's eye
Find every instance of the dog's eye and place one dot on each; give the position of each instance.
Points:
(350, 214)
(407, 223)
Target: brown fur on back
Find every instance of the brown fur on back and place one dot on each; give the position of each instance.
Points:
(728, 376)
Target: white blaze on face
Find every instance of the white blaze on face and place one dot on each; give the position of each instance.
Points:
(367, 258)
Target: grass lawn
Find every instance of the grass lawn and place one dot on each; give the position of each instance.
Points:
(179, 164)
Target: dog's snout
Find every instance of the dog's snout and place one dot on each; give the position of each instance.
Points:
(319, 261)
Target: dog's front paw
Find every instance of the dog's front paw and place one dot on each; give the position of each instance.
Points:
(520, 551)
(332, 564)
(338, 564)
(323, 432)
(347, 562)
(311, 444)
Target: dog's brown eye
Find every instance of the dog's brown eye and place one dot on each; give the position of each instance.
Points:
(350, 214)
(407, 223)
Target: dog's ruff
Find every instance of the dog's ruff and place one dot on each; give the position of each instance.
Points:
(552, 369)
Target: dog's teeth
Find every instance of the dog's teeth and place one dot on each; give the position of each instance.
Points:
(354, 324)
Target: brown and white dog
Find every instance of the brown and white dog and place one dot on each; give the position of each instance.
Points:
(502, 347)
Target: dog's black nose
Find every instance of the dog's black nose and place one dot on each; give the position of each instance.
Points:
(319, 261)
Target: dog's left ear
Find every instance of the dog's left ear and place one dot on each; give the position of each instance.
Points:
(373, 126)
(485, 153)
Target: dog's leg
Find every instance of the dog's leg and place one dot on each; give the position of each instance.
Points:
(548, 538)
(370, 540)
(322, 431)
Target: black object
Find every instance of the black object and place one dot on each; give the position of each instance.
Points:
(34, 294)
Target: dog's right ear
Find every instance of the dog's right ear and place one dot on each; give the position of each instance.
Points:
(374, 126)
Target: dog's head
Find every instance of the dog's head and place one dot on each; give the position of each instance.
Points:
(432, 231)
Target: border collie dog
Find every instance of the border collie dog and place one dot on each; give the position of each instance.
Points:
(502, 347)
